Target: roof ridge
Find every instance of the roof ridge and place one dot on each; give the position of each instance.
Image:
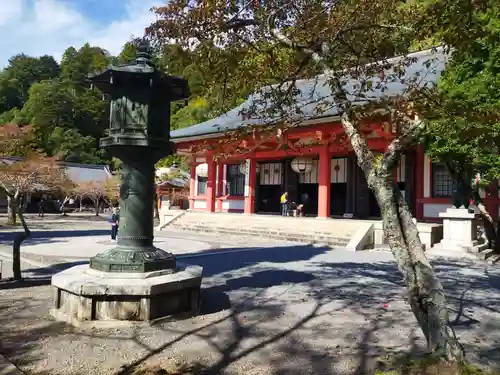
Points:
(65, 163)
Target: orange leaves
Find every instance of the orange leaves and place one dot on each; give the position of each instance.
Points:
(31, 172)
(112, 187)
(92, 189)
(14, 139)
(34, 172)
(97, 190)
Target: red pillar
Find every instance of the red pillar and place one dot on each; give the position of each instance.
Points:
(324, 180)
(211, 182)
(220, 178)
(192, 185)
(250, 196)
(419, 182)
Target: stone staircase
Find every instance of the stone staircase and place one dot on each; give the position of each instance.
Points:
(331, 232)
(482, 252)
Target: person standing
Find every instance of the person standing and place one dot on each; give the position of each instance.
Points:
(115, 222)
(41, 207)
(284, 204)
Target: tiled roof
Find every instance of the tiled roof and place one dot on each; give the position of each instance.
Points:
(76, 172)
(86, 172)
(428, 66)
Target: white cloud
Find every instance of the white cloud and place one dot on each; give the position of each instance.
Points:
(10, 10)
(39, 27)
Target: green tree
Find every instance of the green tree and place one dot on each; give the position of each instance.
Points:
(77, 64)
(90, 113)
(10, 94)
(197, 110)
(21, 72)
(71, 145)
(50, 105)
(14, 116)
(462, 113)
(128, 53)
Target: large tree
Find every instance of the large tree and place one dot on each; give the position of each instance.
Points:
(18, 178)
(70, 145)
(50, 105)
(462, 113)
(77, 64)
(21, 72)
(314, 36)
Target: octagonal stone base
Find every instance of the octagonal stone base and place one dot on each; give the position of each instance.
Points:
(83, 294)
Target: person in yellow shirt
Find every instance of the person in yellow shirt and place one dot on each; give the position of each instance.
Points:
(284, 203)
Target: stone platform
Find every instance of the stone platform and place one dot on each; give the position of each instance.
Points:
(83, 294)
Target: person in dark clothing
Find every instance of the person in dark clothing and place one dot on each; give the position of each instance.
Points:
(41, 207)
(115, 223)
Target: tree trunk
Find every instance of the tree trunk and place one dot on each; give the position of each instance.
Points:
(109, 203)
(96, 203)
(63, 204)
(16, 247)
(11, 211)
(425, 292)
(24, 203)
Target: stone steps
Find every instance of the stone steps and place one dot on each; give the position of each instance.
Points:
(332, 233)
(480, 247)
(486, 254)
(290, 222)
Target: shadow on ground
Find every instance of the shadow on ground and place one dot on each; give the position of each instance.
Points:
(27, 282)
(287, 310)
(48, 236)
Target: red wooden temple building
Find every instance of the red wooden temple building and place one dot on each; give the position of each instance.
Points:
(313, 161)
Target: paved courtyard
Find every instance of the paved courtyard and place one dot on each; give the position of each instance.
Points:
(268, 307)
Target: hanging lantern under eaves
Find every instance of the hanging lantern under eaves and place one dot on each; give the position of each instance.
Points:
(302, 165)
(202, 170)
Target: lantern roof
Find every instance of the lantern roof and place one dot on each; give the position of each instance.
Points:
(140, 72)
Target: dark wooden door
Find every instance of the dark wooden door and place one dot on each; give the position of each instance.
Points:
(362, 195)
(338, 199)
(291, 181)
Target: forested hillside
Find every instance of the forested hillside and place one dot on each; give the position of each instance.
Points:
(69, 116)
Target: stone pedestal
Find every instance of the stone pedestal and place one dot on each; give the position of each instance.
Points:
(459, 232)
(83, 294)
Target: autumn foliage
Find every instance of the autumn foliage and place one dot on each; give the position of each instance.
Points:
(14, 139)
(100, 192)
(33, 172)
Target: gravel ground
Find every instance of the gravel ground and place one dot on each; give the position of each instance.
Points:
(289, 309)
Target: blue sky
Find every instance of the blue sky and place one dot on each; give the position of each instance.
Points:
(38, 27)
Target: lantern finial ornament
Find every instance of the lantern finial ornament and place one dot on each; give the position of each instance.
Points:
(143, 53)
